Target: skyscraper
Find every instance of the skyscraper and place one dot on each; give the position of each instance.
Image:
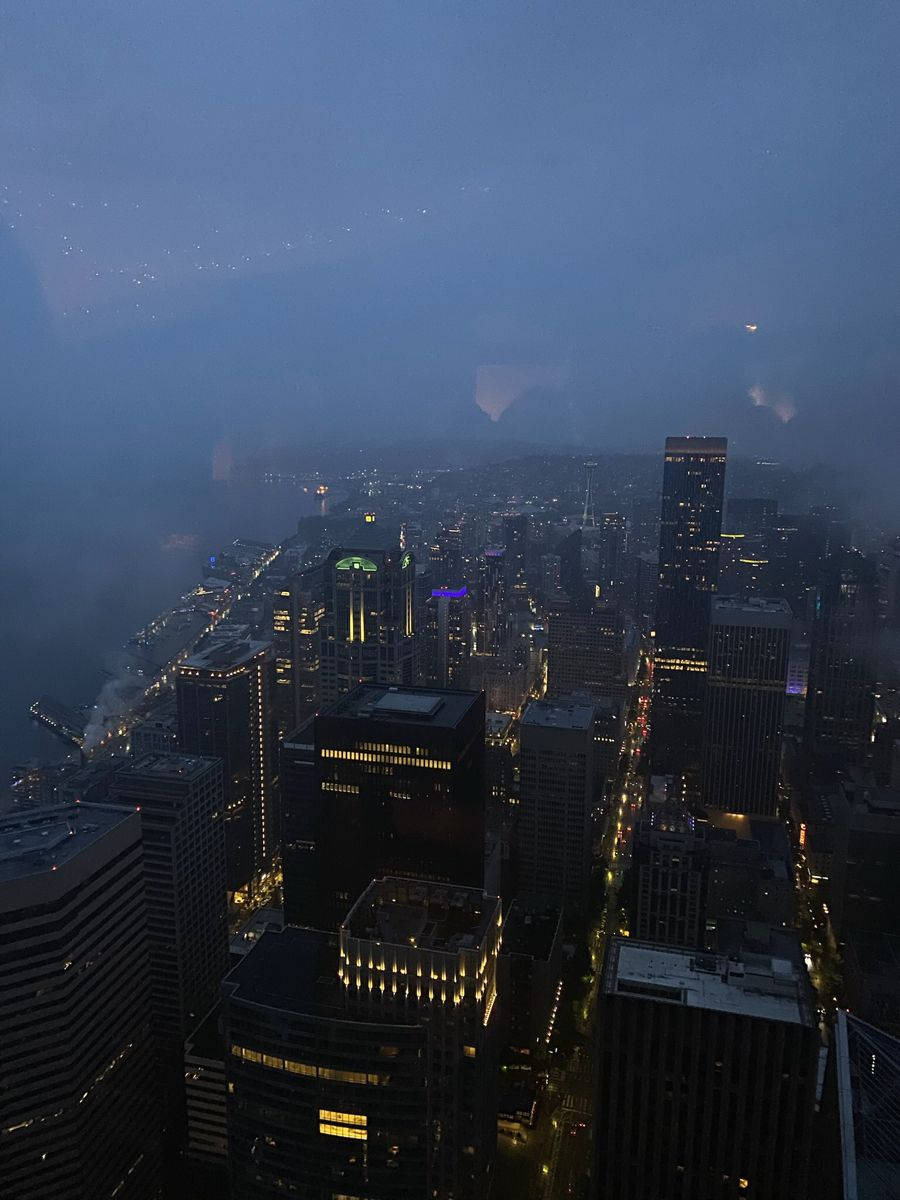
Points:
(366, 1065)
(401, 789)
(490, 611)
(368, 628)
(748, 664)
(669, 873)
(80, 1112)
(690, 525)
(225, 711)
(707, 1075)
(180, 799)
(307, 615)
(840, 698)
(556, 777)
(300, 820)
(447, 637)
(586, 650)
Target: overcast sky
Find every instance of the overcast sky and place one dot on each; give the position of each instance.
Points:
(293, 220)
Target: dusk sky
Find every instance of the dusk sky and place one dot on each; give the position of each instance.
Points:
(295, 221)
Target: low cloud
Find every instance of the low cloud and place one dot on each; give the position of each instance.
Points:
(781, 403)
(498, 385)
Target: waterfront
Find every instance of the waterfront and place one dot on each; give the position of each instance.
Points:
(85, 569)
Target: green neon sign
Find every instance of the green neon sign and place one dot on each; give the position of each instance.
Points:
(355, 563)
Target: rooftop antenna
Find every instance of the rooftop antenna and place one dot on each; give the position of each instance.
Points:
(587, 517)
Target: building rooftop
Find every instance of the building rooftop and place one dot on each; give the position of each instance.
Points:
(224, 656)
(292, 969)
(43, 840)
(434, 707)
(559, 714)
(417, 912)
(751, 610)
(164, 766)
(696, 445)
(531, 932)
(751, 985)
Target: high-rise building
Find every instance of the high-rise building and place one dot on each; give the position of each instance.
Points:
(551, 577)
(587, 651)
(80, 1111)
(307, 615)
(840, 698)
(368, 628)
(749, 646)
(401, 789)
(367, 1064)
(300, 814)
(690, 525)
(556, 783)
(447, 637)
(180, 799)
(424, 953)
(515, 542)
(225, 711)
(445, 556)
(490, 607)
(669, 873)
(707, 1075)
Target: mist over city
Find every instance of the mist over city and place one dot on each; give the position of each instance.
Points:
(450, 720)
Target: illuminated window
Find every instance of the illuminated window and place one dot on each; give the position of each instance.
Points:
(469, 1051)
(342, 1124)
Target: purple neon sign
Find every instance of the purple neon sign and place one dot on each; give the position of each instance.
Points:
(451, 593)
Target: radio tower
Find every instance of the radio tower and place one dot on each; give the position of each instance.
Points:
(587, 517)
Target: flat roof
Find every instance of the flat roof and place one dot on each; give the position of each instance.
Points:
(559, 714)
(696, 445)
(757, 985)
(529, 931)
(42, 840)
(293, 969)
(224, 656)
(418, 912)
(751, 610)
(432, 707)
(165, 766)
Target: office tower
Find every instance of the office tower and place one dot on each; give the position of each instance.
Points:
(744, 567)
(447, 640)
(840, 698)
(556, 776)
(515, 543)
(748, 661)
(490, 605)
(282, 654)
(610, 540)
(587, 651)
(551, 577)
(180, 799)
(646, 580)
(307, 616)
(300, 813)
(426, 953)
(707, 1075)
(80, 1114)
(224, 697)
(669, 873)
(401, 789)
(445, 556)
(367, 1067)
(368, 628)
(571, 570)
(690, 524)
(530, 975)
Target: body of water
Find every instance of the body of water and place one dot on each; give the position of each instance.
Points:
(85, 567)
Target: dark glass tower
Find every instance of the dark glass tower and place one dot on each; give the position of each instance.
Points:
(748, 664)
(400, 775)
(447, 637)
(690, 526)
(840, 699)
